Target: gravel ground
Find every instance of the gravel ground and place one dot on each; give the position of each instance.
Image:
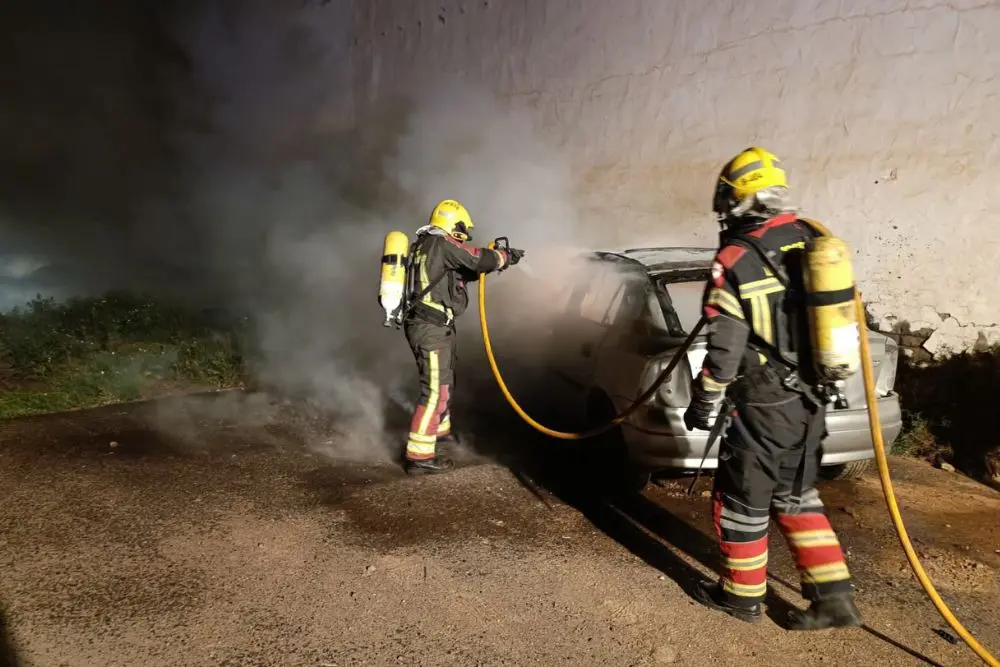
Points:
(236, 544)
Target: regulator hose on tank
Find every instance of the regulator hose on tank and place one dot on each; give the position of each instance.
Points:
(873, 422)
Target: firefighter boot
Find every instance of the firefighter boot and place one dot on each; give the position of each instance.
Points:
(436, 465)
(446, 445)
(835, 612)
(710, 594)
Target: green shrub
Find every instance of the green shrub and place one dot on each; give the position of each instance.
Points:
(119, 347)
(917, 439)
(211, 360)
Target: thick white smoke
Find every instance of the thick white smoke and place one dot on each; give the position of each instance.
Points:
(295, 193)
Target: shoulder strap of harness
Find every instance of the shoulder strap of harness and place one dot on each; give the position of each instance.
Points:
(768, 256)
(412, 297)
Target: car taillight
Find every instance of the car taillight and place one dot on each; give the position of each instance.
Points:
(887, 369)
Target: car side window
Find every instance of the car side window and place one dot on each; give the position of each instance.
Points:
(633, 306)
(603, 297)
(674, 325)
(582, 289)
(680, 299)
(615, 308)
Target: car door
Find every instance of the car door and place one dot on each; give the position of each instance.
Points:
(621, 357)
(580, 330)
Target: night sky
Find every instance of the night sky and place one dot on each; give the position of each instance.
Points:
(91, 110)
(165, 144)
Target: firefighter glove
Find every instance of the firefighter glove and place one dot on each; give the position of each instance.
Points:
(699, 415)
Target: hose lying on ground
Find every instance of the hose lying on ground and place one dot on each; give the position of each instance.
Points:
(890, 496)
(873, 423)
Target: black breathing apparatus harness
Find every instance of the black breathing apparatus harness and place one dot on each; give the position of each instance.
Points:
(413, 305)
(787, 363)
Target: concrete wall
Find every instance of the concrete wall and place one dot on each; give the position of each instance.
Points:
(886, 113)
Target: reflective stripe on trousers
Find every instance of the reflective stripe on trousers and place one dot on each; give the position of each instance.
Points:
(434, 351)
(743, 541)
(431, 419)
(771, 452)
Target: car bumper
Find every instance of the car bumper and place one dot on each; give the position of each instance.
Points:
(657, 438)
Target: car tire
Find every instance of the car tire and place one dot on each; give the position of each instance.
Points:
(851, 470)
(633, 478)
(620, 474)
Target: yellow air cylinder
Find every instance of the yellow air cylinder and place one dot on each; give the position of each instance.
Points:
(829, 281)
(393, 283)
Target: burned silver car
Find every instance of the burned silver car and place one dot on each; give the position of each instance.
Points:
(624, 320)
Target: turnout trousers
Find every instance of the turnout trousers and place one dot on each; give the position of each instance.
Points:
(768, 464)
(434, 349)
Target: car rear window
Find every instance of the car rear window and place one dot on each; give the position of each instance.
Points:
(680, 294)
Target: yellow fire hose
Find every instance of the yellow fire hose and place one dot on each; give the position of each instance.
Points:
(873, 423)
(582, 435)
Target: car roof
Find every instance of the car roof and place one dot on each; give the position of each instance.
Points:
(656, 260)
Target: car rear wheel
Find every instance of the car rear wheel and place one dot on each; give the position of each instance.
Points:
(619, 473)
(850, 470)
(633, 478)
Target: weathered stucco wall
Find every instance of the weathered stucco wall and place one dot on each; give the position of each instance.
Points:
(886, 113)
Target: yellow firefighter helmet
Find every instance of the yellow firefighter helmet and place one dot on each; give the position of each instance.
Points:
(748, 173)
(452, 217)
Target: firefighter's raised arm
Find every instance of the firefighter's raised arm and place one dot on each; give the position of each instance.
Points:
(443, 251)
(464, 255)
(453, 218)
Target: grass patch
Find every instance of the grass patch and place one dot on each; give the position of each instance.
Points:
(86, 352)
(917, 440)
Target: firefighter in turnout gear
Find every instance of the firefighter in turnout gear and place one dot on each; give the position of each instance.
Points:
(443, 262)
(752, 376)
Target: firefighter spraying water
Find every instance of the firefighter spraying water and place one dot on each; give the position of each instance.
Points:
(423, 289)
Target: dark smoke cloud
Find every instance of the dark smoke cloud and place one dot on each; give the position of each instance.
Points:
(84, 143)
(217, 150)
